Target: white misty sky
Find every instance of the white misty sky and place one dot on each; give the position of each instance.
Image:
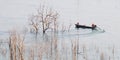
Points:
(71, 11)
(22, 8)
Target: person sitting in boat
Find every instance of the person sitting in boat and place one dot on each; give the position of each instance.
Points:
(77, 25)
(93, 26)
(80, 26)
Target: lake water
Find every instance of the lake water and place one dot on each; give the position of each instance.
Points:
(14, 14)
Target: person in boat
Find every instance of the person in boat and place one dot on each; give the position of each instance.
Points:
(77, 25)
(80, 26)
(93, 26)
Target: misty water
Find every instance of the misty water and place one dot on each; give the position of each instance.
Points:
(105, 14)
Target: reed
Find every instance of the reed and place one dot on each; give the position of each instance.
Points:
(31, 54)
(113, 52)
(74, 50)
(16, 46)
(102, 56)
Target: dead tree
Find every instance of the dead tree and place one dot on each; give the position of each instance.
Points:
(34, 22)
(44, 18)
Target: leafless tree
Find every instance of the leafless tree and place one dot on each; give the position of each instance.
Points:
(34, 22)
(44, 18)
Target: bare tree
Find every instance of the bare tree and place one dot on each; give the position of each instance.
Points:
(34, 22)
(44, 19)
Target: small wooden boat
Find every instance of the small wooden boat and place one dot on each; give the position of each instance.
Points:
(85, 27)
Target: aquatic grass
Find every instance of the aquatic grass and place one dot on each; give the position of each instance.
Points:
(16, 46)
(102, 57)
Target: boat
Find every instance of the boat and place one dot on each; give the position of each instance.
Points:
(85, 27)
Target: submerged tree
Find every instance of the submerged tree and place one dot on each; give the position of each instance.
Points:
(44, 18)
(34, 22)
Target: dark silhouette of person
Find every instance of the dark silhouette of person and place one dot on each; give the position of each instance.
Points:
(93, 26)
